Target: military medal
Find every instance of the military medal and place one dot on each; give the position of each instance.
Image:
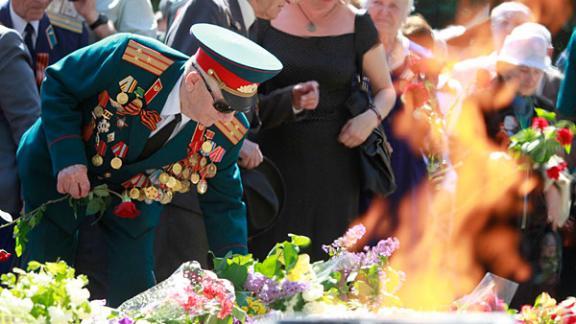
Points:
(121, 122)
(171, 182)
(103, 126)
(151, 192)
(120, 150)
(217, 154)
(107, 114)
(176, 168)
(98, 159)
(202, 187)
(122, 98)
(128, 84)
(211, 170)
(163, 178)
(134, 193)
(110, 137)
(203, 162)
(166, 198)
(98, 111)
(153, 91)
(195, 178)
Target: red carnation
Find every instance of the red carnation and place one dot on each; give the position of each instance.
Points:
(4, 256)
(564, 136)
(539, 123)
(418, 93)
(127, 209)
(553, 172)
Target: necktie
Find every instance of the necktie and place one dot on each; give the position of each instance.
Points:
(155, 142)
(29, 33)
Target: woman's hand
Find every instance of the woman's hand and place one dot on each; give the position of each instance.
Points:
(357, 129)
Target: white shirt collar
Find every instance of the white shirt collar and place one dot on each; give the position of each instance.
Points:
(20, 24)
(248, 14)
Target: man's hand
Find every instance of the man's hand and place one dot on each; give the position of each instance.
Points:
(305, 95)
(250, 155)
(73, 180)
(87, 9)
(357, 129)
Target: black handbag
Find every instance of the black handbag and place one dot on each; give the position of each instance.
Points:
(376, 169)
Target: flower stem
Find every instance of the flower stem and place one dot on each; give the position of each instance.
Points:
(25, 216)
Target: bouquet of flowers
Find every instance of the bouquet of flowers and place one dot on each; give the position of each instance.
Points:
(189, 295)
(543, 143)
(47, 293)
(547, 311)
(287, 282)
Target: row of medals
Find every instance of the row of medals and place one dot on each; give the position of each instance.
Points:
(179, 177)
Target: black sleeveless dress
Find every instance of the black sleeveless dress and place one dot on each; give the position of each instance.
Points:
(322, 175)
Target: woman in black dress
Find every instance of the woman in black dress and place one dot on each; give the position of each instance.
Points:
(316, 151)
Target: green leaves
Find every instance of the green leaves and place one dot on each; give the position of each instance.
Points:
(299, 240)
(234, 268)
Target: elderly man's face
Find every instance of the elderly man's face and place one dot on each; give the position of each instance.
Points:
(30, 10)
(267, 9)
(527, 78)
(388, 15)
(503, 26)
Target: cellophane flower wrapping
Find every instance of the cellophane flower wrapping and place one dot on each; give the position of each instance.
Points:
(191, 294)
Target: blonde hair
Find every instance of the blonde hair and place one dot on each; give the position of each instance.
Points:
(409, 7)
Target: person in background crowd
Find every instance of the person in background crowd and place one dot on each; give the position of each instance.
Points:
(520, 64)
(19, 108)
(566, 99)
(408, 164)
(324, 40)
(46, 42)
(173, 243)
(106, 17)
(503, 19)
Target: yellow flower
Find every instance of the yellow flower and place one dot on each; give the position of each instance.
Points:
(302, 271)
(255, 306)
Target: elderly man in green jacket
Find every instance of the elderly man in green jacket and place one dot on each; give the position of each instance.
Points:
(148, 122)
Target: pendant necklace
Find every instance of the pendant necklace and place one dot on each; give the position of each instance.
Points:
(311, 26)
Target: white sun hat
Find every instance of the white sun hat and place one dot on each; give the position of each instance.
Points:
(528, 49)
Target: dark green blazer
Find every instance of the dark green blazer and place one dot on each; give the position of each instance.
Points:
(64, 137)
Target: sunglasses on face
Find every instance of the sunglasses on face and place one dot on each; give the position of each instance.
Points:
(219, 104)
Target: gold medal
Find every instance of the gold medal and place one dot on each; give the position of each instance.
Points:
(207, 147)
(97, 160)
(134, 193)
(203, 161)
(164, 177)
(137, 102)
(177, 186)
(193, 160)
(185, 173)
(211, 170)
(116, 163)
(176, 168)
(202, 187)
(122, 98)
(171, 182)
(151, 193)
(195, 178)
(166, 198)
(98, 111)
(185, 186)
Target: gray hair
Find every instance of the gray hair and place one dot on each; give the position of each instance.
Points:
(409, 7)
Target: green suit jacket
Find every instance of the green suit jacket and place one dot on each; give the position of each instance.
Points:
(68, 130)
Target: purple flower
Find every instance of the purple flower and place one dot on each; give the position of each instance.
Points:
(291, 288)
(347, 241)
(268, 290)
(125, 320)
(381, 251)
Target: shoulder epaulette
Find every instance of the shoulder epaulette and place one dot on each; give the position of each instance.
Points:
(233, 130)
(146, 58)
(65, 22)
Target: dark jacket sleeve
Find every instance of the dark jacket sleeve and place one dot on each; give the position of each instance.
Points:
(19, 98)
(275, 108)
(197, 11)
(566, 100)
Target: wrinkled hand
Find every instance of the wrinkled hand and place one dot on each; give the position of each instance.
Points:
(73, 180)
(306, 95)
(357, 129)
(87, 9)
(250, 155)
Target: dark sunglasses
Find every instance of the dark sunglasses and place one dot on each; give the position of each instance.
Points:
(219, 104)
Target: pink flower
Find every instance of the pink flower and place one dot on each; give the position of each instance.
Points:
(539, 123)
(126, 209)
(225, 309)
(564, 136)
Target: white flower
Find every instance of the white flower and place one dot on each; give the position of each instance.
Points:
(77, 294)
(15, 305)
(315, 291)
(59, 315)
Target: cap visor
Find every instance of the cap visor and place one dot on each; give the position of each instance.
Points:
(243, 104)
